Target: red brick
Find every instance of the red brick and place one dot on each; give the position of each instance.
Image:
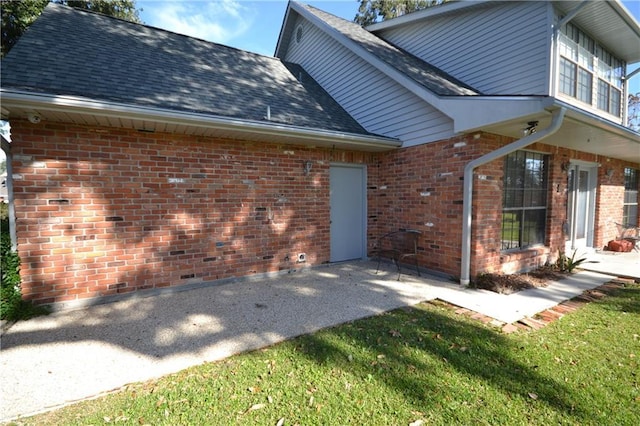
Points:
(125, 174)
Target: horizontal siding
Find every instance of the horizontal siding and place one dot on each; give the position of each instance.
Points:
(502, 49)
(378, 103)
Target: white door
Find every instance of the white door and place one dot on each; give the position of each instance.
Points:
(581, 204)
(348, 212)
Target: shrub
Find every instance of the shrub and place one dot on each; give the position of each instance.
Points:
(10, 284)
(12, 307)
(568, 264)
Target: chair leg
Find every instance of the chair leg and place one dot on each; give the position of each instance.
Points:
(417, 268)
(397, 266)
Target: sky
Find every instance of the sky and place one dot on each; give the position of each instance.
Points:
(255, 25)
(248, 25)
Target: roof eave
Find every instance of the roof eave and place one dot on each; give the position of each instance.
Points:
(250, 129)
(580, 131)
(282, 43)
(494, 110)
(399, 77)
(429, 12)
(491, 110)
(621, 35)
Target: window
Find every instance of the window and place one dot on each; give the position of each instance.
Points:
(603, 95)
(575, 81)
(585, 67)
(568, 77)
(524, 200)
(585, 82)
(609, 98)
(630, 205)
(614, 101)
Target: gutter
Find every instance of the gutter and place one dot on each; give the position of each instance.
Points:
(556, 122)
(70, 104)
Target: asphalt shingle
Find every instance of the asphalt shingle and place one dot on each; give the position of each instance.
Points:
(72, 52)
(430, 77)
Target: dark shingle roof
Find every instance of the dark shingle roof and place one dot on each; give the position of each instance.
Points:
(77, 53)
(430, 77)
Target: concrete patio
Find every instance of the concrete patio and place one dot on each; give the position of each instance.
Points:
(51, 361)
(625, 265)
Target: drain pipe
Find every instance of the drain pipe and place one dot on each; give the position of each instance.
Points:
(467, 200)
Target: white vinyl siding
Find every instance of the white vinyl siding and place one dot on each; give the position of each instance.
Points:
(378, 103)
(499, 50)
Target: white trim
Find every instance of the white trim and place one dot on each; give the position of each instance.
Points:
(391, 72)
(69, 104)
(423, 14)
(592, 169)
(467, 198)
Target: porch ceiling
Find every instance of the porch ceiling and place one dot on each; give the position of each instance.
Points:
(581, 132)
(609, 22)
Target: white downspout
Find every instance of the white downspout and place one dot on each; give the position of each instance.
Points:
(467, 199)
(6, 147)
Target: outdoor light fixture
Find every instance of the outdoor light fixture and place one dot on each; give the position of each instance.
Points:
(34, 117)
(532, 127)
(307, 167)
(609, 172)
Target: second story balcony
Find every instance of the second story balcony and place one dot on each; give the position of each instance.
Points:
(590, 75)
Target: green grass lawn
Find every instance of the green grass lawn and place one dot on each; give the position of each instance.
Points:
(423, 365)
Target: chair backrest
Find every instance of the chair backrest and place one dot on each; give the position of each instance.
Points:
(627, 231)
(404, 241)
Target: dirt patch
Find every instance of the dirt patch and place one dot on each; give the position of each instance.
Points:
(511, 283)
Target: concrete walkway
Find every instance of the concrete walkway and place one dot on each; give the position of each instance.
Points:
(49, 362)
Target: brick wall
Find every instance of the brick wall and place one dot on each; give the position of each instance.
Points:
(421, 188)
(104, 211)
(609, 201)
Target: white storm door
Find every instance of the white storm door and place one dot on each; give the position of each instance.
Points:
(581, 204)
(348, 212)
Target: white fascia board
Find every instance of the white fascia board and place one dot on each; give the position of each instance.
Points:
(397, 76)
(475, 112)
(69, 104)
(626, 16)
(285, 23)
(429, 12)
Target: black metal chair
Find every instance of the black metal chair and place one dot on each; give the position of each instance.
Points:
(398, 246)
